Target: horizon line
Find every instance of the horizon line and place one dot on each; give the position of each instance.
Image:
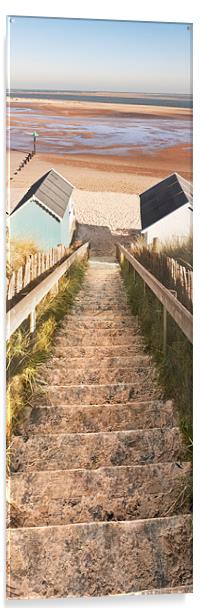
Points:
(20, 89)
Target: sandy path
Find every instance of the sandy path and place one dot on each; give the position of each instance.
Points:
(114, 210)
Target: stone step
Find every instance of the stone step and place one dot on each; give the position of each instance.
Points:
(100, 558)
(102, 296)
(67, 376)
(112, 294)
(102, 418)
(98, 337)
(110, 302)
(93, 323)
(108, 363)
(58, 451)
(51, 498)
(99, 352)
(101, 312)
(104, 289)
(98, 394)
(92, 306)
(172, 590)
(102, 316)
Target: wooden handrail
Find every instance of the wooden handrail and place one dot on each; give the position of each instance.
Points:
(26, 306)
(177, 311)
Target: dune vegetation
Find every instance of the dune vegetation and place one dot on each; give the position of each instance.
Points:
(25, 352)
(175, 366)
(17, 251)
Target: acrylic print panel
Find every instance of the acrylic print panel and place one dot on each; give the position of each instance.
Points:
(99, 308)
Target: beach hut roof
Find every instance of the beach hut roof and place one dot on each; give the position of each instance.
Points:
(52, 191)
(164, 198)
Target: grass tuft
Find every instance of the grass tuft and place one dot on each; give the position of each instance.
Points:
(25, 353)
(179, 250)
(174, 368)
(17, 251)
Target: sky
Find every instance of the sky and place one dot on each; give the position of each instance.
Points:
(81, 54)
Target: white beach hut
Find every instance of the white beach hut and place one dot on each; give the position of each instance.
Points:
(166, 210)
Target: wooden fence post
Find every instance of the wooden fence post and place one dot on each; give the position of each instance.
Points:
(42, 263)
(39, 264)
(32, 321)
(32, 267)
(155, 244)
(27, 272)
(35, 262)
(19, 280)
(11, 288)
(164, 330)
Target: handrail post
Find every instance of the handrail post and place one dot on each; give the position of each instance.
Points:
(32, 321)
(164, 330)
(117, 253)
(54, 290)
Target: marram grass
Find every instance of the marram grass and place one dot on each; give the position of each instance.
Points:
(26, 353)
(17, 251)
(175, 367)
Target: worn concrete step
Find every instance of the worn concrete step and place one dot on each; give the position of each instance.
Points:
(102, 297)
(102, 418)
(56, 451)
(99, 352)
(100, 558)
(98, 337)
(108, 363)
(67, 376)
(97, 305)
(103, 278)
(110, 264)
(98, 394)
(172, 590)
(93, 323)
(102, 316)
(106, 494)
(110, 302)
(102, 335)
(102, 294)
(102, 286)
(101, 312)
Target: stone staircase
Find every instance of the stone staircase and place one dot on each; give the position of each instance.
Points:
(99, 488)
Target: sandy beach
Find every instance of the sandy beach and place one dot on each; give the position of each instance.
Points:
(109, 152)
(87, 107)
(104, 137)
